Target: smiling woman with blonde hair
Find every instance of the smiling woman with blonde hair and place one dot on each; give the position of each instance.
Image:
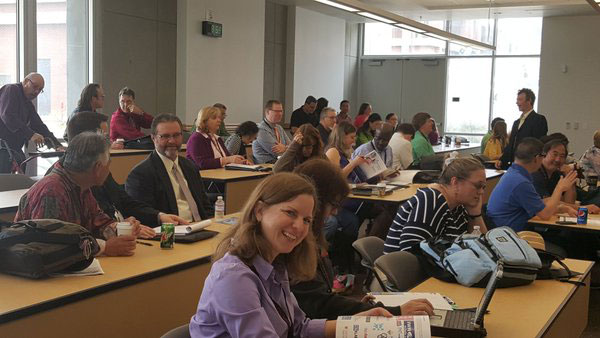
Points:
(205, 148)
(247, 293)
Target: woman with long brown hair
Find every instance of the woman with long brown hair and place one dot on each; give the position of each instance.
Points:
(306, 144)
(247, 293)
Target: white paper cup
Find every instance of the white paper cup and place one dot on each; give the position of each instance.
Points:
(124, 228)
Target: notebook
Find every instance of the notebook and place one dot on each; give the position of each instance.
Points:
(465, 323)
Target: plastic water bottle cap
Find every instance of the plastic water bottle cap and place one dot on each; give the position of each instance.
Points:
(220, 197)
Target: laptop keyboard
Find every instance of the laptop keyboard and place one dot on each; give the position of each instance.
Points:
(459, 319)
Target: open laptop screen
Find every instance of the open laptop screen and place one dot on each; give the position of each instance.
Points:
(487, 295)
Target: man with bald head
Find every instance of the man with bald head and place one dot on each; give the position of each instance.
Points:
(19, 120)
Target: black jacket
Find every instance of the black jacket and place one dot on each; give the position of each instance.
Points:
(316, 299)
(111, 196)
(149, 182)
(535, 125)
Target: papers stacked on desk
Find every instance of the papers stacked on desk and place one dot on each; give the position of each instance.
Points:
(182, 230)
(590, 221)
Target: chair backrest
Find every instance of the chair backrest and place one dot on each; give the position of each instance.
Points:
(14, 182)
(369, 249)
(182, 331)
(402, 270)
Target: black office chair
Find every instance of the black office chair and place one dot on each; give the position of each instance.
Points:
(182, 331)
(14, 182)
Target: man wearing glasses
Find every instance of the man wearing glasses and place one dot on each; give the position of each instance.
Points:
(166, 181)
(272, 140)
(326, 124)
(514, 199)
(19, 120)
(129, 119)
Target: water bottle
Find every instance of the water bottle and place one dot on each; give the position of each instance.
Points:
(476, 231)
(219, 208)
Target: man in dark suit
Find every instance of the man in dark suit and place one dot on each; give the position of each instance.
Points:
(166, 181)
(530, 124)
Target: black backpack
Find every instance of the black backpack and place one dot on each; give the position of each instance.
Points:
(37, 248)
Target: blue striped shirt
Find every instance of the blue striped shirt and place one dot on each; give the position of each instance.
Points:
(423, 216)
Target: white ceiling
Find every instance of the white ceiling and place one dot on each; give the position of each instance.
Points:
(458, 9)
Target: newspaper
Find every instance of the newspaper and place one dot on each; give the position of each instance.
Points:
(382, 327)
(375, 165)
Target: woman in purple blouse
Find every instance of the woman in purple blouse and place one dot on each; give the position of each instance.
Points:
(205, 148)
(247, 293)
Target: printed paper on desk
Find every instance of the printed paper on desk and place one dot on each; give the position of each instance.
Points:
(92, 270)
(377, 327)
(187, 229)
(404, 177)
(399, 298)
(375, 166)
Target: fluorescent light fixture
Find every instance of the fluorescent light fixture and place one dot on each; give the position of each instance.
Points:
(336, 5)
(411, 28)
(433, 35)
(375, 17)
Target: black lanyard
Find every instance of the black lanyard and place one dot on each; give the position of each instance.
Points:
(285, 315)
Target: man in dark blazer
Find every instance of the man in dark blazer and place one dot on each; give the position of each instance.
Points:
(164, 179)
(530, 124)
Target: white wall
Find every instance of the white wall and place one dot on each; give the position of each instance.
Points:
(227, 69)
(571, 96)
(318, 57)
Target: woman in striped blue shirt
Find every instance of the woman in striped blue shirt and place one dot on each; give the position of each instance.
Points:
(447, 208)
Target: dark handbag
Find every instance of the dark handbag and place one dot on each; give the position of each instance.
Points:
(37, 248)
(145, 143)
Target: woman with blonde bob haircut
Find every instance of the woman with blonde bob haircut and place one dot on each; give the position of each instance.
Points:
(205, 148)
(247, 293)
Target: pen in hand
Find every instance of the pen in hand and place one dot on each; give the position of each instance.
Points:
(144, 243)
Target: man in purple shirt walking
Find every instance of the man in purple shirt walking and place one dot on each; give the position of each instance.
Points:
(19, 121)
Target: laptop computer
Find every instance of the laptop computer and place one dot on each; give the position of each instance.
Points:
(465, 323)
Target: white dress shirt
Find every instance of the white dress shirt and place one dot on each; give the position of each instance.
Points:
(182, 204)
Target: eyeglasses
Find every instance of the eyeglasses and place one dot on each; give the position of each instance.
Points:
(477, 185)
(308, 145)
(169, 136)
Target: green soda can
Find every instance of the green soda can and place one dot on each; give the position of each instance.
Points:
(167, 237)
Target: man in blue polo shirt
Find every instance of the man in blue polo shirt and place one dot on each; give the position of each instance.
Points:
(514, 200)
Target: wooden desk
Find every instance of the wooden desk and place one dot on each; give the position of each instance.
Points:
(140, 296)
(238, 185)
(471, 148)
(401, 195)
(551, 223)
(123, 160)
(9, 203)
(544, 308)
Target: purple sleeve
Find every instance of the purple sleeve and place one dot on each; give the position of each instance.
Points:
(200, 152)
(231, 303)
(10, 110)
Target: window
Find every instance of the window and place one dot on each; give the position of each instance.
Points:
(479, 30)
(520, 36)
(61, 58)
(511, 75)
(8, 41)
(383, 39)
(468, 95)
